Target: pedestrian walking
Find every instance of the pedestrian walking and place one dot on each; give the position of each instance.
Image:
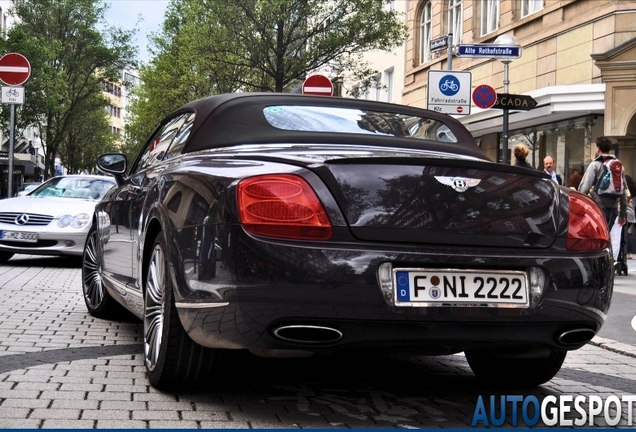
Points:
(631, 214)
(612, 203)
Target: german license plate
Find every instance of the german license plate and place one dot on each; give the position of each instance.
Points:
(449, 287)
(18, 236)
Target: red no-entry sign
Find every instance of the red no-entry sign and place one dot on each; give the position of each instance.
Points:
(318, 85)
(15, 69)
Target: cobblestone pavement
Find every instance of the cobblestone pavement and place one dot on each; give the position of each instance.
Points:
(62, 368)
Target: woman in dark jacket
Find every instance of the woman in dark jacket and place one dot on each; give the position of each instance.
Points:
(520, 152)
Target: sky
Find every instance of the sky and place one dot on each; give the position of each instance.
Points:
(126, 14)
(146, 15)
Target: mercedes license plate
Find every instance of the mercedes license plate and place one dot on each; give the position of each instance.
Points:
(18, 236)
(450, 287)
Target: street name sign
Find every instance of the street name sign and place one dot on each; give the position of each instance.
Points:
(438, 44)
(515, 102)
(449, 91)
(15, 69)
(489, 51)
(318, 85)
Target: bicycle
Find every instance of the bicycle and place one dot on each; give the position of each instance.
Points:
(13, 92)
(448, 84)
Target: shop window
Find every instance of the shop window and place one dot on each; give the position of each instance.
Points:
(568, 142)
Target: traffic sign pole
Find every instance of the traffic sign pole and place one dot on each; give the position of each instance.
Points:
(11, 140)
(504, 155)
(15, 69)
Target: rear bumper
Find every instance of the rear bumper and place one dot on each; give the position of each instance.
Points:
(258, 286)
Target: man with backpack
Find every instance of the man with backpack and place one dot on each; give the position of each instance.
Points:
(606, 177)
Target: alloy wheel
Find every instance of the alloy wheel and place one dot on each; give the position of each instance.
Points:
(93, 286)
(154, 308)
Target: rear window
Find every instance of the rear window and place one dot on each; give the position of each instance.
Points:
(355, 121)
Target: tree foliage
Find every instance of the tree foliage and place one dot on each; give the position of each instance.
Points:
(215, 46)
(69, 59)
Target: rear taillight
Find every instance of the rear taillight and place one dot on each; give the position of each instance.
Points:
(282, 205)
(587, 229)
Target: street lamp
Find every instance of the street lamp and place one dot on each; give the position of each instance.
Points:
(507, 40)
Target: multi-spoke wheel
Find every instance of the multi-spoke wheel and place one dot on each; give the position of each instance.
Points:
(98, 301)
(5, 256)
(502, 370)
(172, 358)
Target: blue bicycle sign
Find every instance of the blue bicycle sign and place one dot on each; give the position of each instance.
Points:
(449, 91)
(449, 85)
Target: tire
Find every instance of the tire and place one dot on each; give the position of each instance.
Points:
(172, 359)
(5, 256)
(503, 371)
(98, 301)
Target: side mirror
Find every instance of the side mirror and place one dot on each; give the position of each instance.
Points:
(112, 163)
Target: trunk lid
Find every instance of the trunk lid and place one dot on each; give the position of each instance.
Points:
(444, 201)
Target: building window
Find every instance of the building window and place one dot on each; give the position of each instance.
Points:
(388, 83)
(489, 16)
(529, 7)
(114, 111)
(456, 20)
(426, 29)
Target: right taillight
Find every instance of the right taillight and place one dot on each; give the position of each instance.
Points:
(587, 229)
(282, 205)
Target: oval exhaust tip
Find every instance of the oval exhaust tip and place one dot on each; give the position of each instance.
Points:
(308, 334)
(576, 336)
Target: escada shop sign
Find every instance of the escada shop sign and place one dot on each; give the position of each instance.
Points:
(514, 102)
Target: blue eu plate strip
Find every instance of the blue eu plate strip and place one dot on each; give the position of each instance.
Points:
(402, 278)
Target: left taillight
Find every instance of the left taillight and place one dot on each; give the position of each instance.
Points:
(587, 229)
(282, 205)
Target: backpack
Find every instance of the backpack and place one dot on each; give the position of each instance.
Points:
(612, 179)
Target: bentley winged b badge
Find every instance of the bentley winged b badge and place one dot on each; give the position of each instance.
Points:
(460, 184)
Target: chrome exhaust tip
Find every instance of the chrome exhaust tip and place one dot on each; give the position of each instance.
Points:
(307, 334)
(576, 336)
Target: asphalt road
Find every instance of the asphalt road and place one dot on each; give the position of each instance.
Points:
(621, 319)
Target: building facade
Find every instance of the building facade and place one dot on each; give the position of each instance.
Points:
(578, 62)
(390, 67)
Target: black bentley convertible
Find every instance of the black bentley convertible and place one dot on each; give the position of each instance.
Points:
(290, 225)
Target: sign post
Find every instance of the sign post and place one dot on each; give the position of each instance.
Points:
(318, 85)
(505, 49)
(15, 69)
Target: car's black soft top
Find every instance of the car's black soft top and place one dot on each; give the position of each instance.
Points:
(238, 118)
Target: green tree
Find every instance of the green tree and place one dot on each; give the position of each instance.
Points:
(87, 136)
(215, 46)
(70, 58)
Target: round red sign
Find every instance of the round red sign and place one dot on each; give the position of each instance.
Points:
(484, 96)
(318, 85)
(15, 69)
